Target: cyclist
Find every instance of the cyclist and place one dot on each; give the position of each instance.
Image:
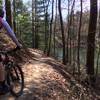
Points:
(3, 24)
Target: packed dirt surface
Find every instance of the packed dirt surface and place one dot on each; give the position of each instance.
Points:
(46, 79)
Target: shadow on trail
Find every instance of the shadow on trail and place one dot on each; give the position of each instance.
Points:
(38, 91)
(47, 79)
(62, 70)
(59, 67)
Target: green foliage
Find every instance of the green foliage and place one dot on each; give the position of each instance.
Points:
(0, 3)
(24, 23)
(23, 19)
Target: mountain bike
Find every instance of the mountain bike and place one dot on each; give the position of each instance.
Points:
(13, 73)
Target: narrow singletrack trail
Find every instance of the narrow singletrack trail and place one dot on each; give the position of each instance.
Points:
(45, 79)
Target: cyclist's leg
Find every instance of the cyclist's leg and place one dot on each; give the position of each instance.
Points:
(3, 87)
(2, 70)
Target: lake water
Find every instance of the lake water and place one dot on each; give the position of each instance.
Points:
(82, 56)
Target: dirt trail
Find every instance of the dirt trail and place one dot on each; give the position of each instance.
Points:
(45, 80)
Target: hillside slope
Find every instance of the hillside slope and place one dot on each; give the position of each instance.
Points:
(46, 79)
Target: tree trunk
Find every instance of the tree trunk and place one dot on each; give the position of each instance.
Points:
(55, 30)
(14, 15)
(69, 28)
(51, 22)
(67, 51)
(62, 31)
(33, 32)
(46, 27)
(98, 56)
(91, 39)
(79, 31)
(8, 12)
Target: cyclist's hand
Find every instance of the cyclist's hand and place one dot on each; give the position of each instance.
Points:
(19, 46)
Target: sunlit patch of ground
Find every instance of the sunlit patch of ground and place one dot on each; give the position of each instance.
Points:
(42, 82)
(45, 80)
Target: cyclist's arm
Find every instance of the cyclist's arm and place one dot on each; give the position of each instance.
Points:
(10, 32)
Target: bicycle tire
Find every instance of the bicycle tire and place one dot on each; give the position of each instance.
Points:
(10, 79)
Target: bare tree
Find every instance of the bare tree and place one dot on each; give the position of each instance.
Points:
(14, 14)
(62, 31)
(33, 26)
(46, 26)
(55, 29)
(51, 22)
(98, 54)
(8, 12)
(91, 39)
(70, 16)
(79, 31)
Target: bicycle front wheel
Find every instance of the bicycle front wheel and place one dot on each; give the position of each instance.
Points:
(16, 80)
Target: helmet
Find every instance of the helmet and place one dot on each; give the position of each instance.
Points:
(1, 13)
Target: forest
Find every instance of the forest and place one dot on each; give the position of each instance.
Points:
(60, 53)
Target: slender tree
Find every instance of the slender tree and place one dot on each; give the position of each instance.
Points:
(51, 23)
(8, 12)
(62, 31)
(55, 30)
(98, 54)
(70, 16)
(91, 39)
(33, 33)
(67, 51)
(46, 26)
(14, 15)
(79, 31)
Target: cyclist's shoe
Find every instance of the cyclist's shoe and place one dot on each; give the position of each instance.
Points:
(4, 89)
